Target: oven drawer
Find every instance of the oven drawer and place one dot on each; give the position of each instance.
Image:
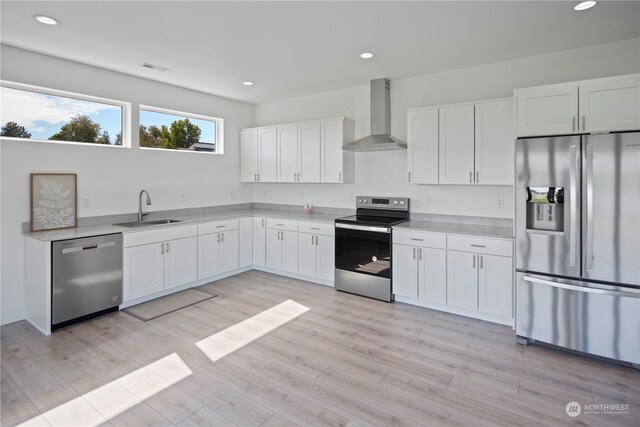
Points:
(480, 245)
(217, 226)
(325, 229)
(282, 224)
(427, 240)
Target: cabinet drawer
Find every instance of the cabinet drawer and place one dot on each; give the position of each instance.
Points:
(480, 245)
(415, 238)
(217, 226)
(282, 224)
(324, 229)
(153, 236)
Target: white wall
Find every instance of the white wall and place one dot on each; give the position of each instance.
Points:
(384, 173)
(110, 176)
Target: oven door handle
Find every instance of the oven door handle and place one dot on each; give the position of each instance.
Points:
(363, 228)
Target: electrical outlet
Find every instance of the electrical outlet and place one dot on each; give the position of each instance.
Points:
(428, 200)
(231, 194)
(183, 197)
(500, 202)
(86, 202)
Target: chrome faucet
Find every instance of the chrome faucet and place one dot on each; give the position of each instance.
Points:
(140, 213)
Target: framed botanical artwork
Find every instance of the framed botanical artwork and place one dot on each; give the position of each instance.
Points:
(54, 201)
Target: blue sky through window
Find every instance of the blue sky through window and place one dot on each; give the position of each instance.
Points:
(152, 118)
(43, 115)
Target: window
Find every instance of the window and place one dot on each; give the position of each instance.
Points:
(174, 130)
(39, 114)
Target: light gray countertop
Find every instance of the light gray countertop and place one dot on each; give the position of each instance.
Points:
(94, 230)
(453, 228)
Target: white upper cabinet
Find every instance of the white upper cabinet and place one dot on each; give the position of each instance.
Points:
(598, 105)
(309, 152)
(298, 152)
(548, 110)
(610, 104)
(456, 145)
(249, 155)
(288, 153)
(422, 146)
(495, 142)
(267, 148)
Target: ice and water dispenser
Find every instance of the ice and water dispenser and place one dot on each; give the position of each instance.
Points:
(545, 209)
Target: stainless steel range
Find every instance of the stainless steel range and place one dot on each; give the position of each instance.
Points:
(363, 246)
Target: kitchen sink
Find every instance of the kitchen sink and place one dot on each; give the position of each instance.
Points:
(137, 224)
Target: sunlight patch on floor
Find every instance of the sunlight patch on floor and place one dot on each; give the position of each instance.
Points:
(237, 336)
(96, 406)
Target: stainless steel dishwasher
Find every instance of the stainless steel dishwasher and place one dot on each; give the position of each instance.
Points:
(87, 278)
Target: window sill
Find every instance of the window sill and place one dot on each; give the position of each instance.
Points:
(46, 141)
(181, 151)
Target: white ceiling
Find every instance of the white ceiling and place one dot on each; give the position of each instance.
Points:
(297, 48)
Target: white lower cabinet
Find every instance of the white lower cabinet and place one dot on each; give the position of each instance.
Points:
(158, 266)
(495, 285)
(217, 253)
(419, 273)
(260, 242)
(462, 280)
(282, 250)
(245, 242)
(143, 270)
(180, 262)
(316, 255)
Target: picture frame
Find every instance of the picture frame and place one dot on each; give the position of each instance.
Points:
(54, 201)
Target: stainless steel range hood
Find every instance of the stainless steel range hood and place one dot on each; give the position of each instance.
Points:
(380, 138)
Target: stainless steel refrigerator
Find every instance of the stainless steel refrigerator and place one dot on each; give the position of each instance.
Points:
(578, 243)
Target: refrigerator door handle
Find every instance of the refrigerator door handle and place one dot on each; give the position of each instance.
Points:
(589, 196)
(573, 184)
(611, 292)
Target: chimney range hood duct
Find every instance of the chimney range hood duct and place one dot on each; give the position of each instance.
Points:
(380, 138)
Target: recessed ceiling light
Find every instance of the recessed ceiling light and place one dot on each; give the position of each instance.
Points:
(47, 20)
(366, 55)
(585, 5)
(247, 83)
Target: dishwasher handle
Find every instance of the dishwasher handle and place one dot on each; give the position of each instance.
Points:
(88, 247)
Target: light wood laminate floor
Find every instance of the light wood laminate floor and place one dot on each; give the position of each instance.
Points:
(274, 351)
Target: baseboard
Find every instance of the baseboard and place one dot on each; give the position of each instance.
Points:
(295, 276)
(11, 315)
(459, 311)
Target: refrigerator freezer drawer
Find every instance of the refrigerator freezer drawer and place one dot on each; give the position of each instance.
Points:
(591, 318)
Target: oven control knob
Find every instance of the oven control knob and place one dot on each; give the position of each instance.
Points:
(402, 202)
(364, 201)
(395, 202)
(359, 200)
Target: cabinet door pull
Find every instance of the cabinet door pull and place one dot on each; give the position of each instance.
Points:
(220, 226)
(167, 247)
(481, 262)
(573, 124)
(282, 235)
(316, 240)
(420, 253)
(340, 176)
(478, 246)
(258, 177)
(315, 228)
(280, 225)
(262, 222)
(162, 248)
(477, 177)
(414, 253)
(584, 123)
(218, 237)
(278, 234)
(474, 261)
(222, 237)
(409, 176)
(470, 177)
(312, 240)
(417, 240)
